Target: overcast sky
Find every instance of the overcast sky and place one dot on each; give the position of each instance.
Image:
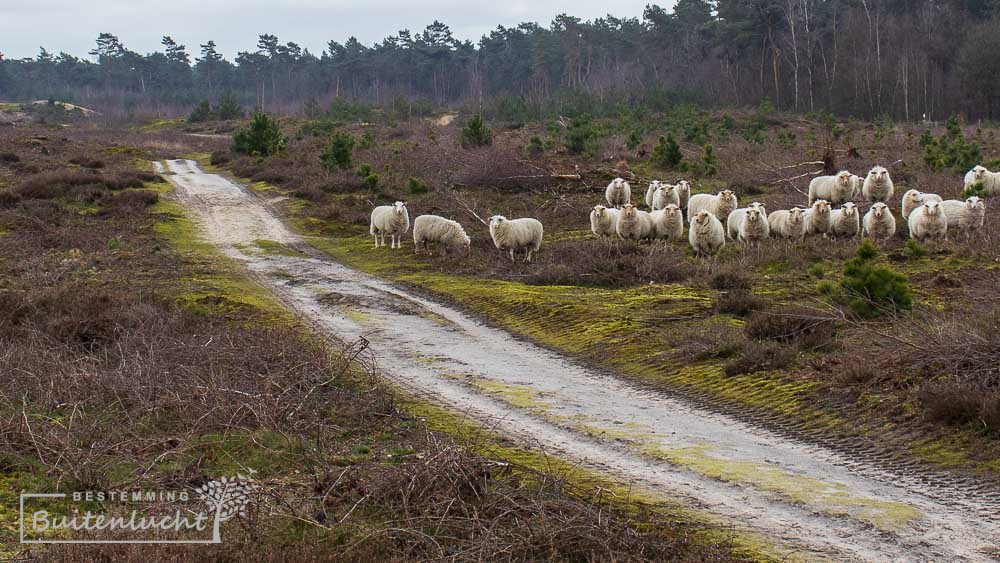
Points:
(73, 25)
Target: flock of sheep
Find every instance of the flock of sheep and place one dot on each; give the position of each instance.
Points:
(712, 219)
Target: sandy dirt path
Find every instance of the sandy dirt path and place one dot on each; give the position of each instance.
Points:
(815, 502)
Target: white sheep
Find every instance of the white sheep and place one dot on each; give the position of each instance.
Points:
(665, 195)
(735, 219)
(928, 222)
(719, 205)
(913, 199)
(818, 218)
(790, 224)
(754, 226)
(653, 186)
(706, 235)
(967, 216)
(845, 222)
(980, 175)
(618, 193)
(516, 234)
(835, 189)
(604, 221)
(668, 223)
(857, 182)
(429, 229)
(635, 224)
(879, 222)
(684, 193)
(878, 185)
(392, 220)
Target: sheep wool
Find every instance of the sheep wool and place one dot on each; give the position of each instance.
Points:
(845, 222)
(634, 224)
(878, 185)
(392, 220)
(618, 193)
(928, 222)
(516, 234)
(835, 189)
(879, 223)
(428, 229)
(706, 235)
(913, 199)
(967, 216)
(818, 218)
(989, 180)
(665, 195)
(753, 226)
(668, 223)
(720, 205)
(684, 193)
(604, 221)
(650, 191)
(737, 217)
(790, 224)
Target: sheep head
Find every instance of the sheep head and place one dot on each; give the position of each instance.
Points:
(701, 218)
(821, 206)
(683, 185)
(879, 174)
(849, 209)
(844, 178)
(399, 207)
(599, 210)
(752, 215)
(671, 210)
(975, 203)
(932, 208)
(726, 196)
(979, 172)
(628, 211)
(878, 209)
(796, 214)
(497, 220)
(667, 188)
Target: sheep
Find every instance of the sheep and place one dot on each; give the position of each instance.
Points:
(845, 222)
(684, 193)
(516, 234)
(789, 224)
(835, 189)
(751, 224)
(665, 195)
(818, 218)
(618, 193)
(879, 222)
(719, 205)
(967, 216)
(650, 191)
(392, 220)
(857, 182)
(914, 199)
(980, 175)
(634, 224)
(434, 229)
(668, 223)
(604, 221)
(878, 185)
(928, 222)
(706, 235)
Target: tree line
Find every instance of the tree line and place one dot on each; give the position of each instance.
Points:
(898, 59)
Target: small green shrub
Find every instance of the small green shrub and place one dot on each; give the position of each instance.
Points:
(914, 250)
(338, 154)
(476, 133)
(952, 151)
(633, 140)
(977, 189)
(201, 113)
(709, 163)
(535, 146)
(261, 137)
(369, 178)
(417, 187)
(228, 108)
(580, 136)
(867, 289)
(667, 153)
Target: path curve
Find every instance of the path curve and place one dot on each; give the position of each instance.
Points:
(817, 500)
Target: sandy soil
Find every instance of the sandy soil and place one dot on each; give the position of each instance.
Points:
(814, 502)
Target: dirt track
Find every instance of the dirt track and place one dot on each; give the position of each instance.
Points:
(820, 502)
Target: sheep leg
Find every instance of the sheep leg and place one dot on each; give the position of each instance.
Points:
(376, 240)
(527, 258)
(512, 256)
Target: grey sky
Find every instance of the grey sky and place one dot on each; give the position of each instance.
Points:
(73, 25)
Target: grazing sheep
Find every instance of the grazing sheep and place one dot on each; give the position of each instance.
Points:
(634, 224)
(835, 189)
(845, 222)
(789, 224)
(516, 234)
(878, 185)
(928, 222)
(668, 223)
(967, 216)
(653, 186)
(879, 222)
(980, 175)
(618, 193)
(392, 220)
(750, 224)
(914, 199)
(429, 229)
(684, 193)
(706, 235)
(604, 221)
(818, 218)
(665, 195)
(719, 205)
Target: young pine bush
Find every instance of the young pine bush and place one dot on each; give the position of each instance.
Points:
(580, 136)
(476, 133)
(952, 151)
(261, 137)
(228, 108)
(201, 113)
(338, 154)
(667, 153)
(867, 289)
